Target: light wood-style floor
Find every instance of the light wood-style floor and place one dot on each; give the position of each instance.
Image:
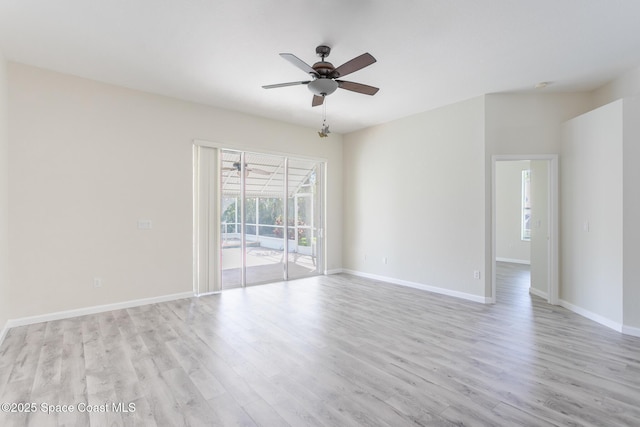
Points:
(328, 351)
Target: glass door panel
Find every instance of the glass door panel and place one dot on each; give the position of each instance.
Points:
(305, 233)
(264, 213)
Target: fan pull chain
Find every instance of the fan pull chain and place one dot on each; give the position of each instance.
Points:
(324, 112)
(324, 131)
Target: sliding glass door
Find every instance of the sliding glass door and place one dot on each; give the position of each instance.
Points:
(270, 218)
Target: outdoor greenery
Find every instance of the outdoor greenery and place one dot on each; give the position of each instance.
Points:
(270, 212)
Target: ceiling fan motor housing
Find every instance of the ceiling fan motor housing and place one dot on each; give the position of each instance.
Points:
(324, 69)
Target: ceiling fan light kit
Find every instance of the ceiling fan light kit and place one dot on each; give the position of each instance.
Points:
(323, 87)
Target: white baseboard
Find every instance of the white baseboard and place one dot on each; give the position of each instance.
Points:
(23, 321)
(593, 316)
(3, 333)
(628, 330)
(539, 293)
(334, 271)
(514, 261)
(434, 289)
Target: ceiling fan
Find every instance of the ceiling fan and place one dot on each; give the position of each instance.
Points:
(237, 166)
(325, 77)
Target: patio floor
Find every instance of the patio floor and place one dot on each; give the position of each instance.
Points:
(264, 265)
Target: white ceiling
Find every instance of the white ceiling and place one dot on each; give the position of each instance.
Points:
(430, 52)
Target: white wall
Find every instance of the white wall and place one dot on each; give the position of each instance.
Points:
(509, 245)
(90, 159)
(631, 215)
(530, 123)
(4, 200)
(413, 194)
(591, 206)
(627, 88)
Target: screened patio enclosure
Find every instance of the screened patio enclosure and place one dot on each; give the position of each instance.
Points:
(264, 218)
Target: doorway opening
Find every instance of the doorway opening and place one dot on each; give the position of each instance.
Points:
(259, 218)
(513, 284)
(524, 190)
(513, 231)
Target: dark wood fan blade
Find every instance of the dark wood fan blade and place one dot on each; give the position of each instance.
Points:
(358, 87)
(317, 100)
(286, 84)
(357, 63)
(299, 63)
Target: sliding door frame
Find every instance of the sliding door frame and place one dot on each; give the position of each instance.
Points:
(207, 267)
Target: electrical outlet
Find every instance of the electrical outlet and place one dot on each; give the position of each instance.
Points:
(97, 282)
(384, 260)
(145, 224)
(476, 274)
